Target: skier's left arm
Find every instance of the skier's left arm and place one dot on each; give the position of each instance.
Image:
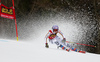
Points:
(62, 35)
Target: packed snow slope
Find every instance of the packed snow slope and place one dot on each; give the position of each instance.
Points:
(20, 51)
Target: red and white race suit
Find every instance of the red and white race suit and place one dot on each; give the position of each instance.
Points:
(54, 39)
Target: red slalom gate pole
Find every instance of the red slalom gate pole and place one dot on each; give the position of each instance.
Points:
(81, 44)
(0, 7)
(16, 29)
(15, 20)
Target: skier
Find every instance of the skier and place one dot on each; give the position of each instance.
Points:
(54, 39)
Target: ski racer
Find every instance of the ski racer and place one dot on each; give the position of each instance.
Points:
(54, 39)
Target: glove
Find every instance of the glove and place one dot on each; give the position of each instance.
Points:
(64, 40)
(47, 46)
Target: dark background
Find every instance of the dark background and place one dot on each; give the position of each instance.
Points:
(28, 9)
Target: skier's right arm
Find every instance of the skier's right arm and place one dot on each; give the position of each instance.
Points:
(47, 35)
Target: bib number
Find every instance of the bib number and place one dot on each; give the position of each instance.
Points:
(57, 43)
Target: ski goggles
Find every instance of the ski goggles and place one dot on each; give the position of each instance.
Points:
(55, 29)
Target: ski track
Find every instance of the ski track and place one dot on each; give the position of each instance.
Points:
(20, 51)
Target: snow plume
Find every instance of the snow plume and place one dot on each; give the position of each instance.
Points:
(77, 27)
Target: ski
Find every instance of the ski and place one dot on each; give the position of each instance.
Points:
(74, 49)
(82, 51)
(70, 49)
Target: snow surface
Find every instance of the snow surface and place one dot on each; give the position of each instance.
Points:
(20, 51)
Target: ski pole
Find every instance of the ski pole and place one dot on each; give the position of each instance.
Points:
(81, 44)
